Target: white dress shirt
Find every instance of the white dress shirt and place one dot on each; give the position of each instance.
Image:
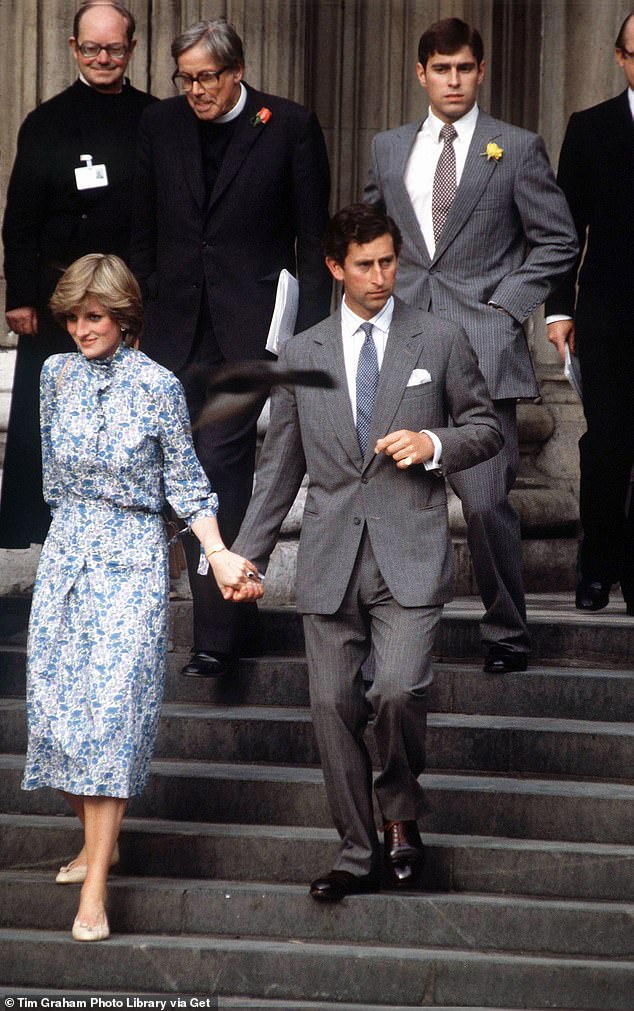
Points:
(421, 166)
(353, 337)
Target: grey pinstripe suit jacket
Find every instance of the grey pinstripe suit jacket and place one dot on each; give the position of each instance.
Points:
(509, 238)
(405, 510)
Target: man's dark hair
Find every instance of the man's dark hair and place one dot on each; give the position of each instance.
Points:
(448, 37)
(87, 4)
(358, 223)
(620, 39)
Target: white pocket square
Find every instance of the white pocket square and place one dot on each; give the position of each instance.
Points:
(418, 377)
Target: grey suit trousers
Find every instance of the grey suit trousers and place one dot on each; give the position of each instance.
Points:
(337, 645)
(494, 537)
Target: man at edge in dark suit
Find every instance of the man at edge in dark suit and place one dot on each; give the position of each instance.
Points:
(374, 565)
(232, 187)
(596, 173)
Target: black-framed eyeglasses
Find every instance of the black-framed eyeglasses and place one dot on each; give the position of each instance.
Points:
(90, 50)
(626, 53)
(207, 79)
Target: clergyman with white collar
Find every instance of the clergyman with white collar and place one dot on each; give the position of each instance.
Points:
(232, 187)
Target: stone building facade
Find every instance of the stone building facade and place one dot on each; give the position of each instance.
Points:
(353, 62)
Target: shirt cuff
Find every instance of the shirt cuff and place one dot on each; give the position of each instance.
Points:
(435, 462)
(557, 317)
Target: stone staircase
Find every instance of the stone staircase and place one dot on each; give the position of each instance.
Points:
(528, 897)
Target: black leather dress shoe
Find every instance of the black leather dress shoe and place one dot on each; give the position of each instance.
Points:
(207, 665)
(592, 595)
(504, 661)
(403, 853)
(334, 887)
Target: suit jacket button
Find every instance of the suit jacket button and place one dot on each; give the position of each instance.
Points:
(356, 521)
(364, 480)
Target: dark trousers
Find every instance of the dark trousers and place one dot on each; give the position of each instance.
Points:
(24, 515)
(226, 451)
(605, 347)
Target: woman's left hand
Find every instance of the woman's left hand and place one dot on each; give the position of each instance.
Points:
(237, 578)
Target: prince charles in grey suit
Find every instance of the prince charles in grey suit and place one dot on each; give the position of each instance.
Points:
(486, 235)
(375, 557)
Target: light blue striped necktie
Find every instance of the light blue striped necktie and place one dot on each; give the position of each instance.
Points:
(367, 382)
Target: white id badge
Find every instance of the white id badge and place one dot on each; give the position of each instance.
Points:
(89, 176)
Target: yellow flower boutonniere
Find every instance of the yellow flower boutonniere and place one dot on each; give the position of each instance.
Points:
(493, 152)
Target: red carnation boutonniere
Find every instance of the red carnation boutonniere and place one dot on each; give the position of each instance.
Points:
(263, 116)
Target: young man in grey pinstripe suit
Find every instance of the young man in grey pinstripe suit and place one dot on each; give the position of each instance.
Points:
(486, 235)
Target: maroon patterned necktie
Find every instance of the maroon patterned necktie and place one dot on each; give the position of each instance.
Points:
(445, 184)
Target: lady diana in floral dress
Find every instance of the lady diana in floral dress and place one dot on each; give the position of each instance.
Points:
(116, 445)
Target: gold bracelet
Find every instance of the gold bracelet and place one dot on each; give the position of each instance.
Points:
(214, 551)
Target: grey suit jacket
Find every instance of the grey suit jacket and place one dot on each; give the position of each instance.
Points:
(509, 238)
(405, 511)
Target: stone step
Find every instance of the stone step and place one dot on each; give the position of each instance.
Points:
(544, 692)
(526, 808)
(560, 635)
(360, 973)
(578, 694)
(275, 734)
(295, 854)
(529, 884)
(31, 900)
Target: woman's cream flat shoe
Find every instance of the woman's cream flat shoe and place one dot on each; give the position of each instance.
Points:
(84, 932)
(75, 874)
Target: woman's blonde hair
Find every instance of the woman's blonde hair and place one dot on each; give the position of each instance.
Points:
(105, 277)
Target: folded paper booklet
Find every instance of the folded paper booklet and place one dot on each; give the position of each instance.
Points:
(572, 372)
(285, 312)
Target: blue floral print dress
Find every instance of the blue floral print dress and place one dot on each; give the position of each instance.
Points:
(116, 443)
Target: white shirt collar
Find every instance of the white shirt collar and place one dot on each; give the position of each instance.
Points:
(350, 322)
(237, 109)
(630, 98)
(464, 126)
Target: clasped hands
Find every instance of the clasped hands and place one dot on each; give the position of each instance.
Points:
(237, 578)
(406, 448)
(22, 321)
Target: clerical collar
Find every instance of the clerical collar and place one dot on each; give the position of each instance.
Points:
(237, 109)
(89, 85)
